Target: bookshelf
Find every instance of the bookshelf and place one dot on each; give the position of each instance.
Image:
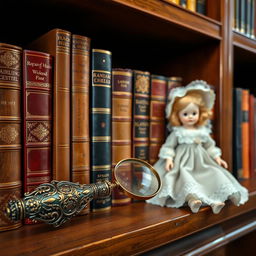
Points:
(165, 39)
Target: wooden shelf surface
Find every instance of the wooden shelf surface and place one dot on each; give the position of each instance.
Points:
(244, 42)
(125, 230)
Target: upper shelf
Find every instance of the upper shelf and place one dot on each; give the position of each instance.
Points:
(125, 230)
(244, 42)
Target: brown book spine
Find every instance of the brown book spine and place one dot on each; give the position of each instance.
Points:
(10, 130)
(57, 43)
(80, 78)
(37, 119)
(252, 128)
(157, 126)
(121, 125)
(141, 91)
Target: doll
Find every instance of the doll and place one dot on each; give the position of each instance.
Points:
(190, 165)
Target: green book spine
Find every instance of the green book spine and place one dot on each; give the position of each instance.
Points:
(101, 123)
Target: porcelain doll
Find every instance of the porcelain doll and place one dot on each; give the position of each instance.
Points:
(190, 165)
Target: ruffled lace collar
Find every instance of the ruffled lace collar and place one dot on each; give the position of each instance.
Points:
(189, 136)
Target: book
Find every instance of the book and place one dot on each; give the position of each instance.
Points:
(183, 3)
(201, 6)
(101, 123)
(121, 126)
(157, 126)
(80, 83)
(37, 119)
(173, 82)
(191, 5)
(245, 133)
(237, 133)
(141, 93)
(10, 130)
(252, 149)
(57, 42)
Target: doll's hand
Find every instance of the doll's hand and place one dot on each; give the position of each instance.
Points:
(168, 164)
(221, 162)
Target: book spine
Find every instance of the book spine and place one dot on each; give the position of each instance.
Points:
(80, 79)
(201, 6)
(183, 3)
(251, 136)
(173, 82)
(157, 116)
(37, 119)
(121, 125)
(191, 5)
(141, 92)
(101, 123)
(245, 133)
(242, 16)
(10, 130)
(57, 42)
(237, 134)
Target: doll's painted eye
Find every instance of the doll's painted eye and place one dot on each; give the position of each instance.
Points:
(185, 114)
(194, 113)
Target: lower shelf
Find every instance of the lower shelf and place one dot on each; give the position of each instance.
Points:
(126, 230)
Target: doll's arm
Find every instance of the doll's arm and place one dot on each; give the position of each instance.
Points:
(214, 152)
(167, 151)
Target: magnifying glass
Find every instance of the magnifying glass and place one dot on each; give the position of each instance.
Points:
(56, 202)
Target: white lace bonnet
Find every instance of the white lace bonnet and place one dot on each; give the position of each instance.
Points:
(198, 85)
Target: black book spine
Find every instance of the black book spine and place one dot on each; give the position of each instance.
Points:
(201, 6)
(101, 123)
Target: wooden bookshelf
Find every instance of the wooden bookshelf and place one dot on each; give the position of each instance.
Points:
(165, 39)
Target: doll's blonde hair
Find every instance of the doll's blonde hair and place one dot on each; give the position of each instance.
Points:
(182, 102)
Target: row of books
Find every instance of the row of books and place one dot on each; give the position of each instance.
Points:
(198, 6)
(244, 17)
(244, 134)
(66, 115)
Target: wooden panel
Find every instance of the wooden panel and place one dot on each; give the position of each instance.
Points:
(124, 230)
(244, 42)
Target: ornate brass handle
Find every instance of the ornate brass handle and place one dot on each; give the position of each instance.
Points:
(56, 202)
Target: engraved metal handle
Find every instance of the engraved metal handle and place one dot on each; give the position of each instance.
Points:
(57, 202)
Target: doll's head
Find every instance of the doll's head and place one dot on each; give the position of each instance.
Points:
(193, 103)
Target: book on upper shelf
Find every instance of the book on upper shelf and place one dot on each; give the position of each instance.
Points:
(80, 83)
(252, 127)
(37, 119)
(201, 6)
(10, 130)
(121, 126)
(101, 123)
(57, 42)
(157, 125)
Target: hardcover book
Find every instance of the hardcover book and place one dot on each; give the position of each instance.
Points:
(141, 92)
(80, 78)
(252, 149)
(157, 126)
(101, 123)
(10, 130)
(121, 125)
(57, 43)
(37, 119)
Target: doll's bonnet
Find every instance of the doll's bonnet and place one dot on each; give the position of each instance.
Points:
(199, 86)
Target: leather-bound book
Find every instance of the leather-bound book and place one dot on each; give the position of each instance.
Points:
(37, 119)
(157, 123)
(57, 42)
(10, 130)
(101, 123)
(252, 128)
(237, 133)
(173, 82)
(121, 126)
(80, 78)
(141, 93)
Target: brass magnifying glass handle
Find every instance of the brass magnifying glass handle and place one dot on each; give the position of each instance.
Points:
(56, 202)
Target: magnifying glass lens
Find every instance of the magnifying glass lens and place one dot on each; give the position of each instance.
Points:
(137, 178)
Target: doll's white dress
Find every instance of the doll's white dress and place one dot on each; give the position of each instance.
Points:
(195, 171)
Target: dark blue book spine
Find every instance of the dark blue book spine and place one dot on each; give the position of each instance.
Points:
(101, 123)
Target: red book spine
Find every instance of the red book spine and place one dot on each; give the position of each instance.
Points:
(37, 119)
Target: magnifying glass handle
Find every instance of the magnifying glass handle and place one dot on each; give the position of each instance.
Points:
(56, 202)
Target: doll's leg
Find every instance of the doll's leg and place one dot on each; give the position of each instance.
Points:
(235, 198)
(194, 203)
(216, 207)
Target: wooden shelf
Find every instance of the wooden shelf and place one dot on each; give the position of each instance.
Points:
(125, 230)
(244, 42)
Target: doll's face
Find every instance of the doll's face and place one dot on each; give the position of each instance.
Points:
(189, 115)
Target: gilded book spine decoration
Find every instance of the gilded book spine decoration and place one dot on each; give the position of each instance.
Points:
(157, 116)
(121, 125)
(57, 42)
(37, 119)
(10, 130)
(141, 92)
(101, 123)
(80, 76)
